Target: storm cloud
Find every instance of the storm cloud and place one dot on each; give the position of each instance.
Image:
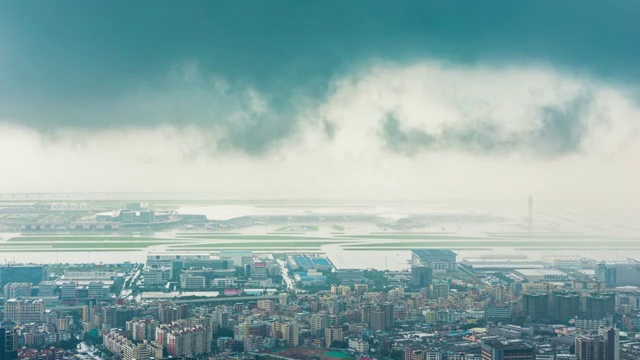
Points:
(558, 130)
(257, 79)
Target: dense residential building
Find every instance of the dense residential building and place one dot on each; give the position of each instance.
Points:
(414, 311)
(22, 311)
(332, 334)
(598, 306)
(535, 306)
(142, 329)
(188, 342)
(168, 312)
(565, 306)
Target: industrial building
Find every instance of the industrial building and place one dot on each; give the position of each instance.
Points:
(33, 274)
(541, 275)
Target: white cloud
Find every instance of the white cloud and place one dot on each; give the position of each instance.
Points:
(355, 161)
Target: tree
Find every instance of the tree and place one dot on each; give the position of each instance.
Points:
(339, 344)
(397, 355)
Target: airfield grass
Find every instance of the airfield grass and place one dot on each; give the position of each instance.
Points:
(486, 243)
(252, 237)
(249, 245)
(84, 245)
(88, 239)
(410, 237)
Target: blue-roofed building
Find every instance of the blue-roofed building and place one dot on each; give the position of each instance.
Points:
(439, 260)
(309, 262)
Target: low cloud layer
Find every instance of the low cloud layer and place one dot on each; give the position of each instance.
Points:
(424, 130)
(558, 130)
(405, 110)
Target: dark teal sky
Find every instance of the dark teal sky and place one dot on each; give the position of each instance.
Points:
(71, 63)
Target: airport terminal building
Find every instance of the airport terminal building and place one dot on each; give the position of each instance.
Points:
(437, 259)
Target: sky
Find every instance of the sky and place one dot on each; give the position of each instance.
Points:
(323, 99)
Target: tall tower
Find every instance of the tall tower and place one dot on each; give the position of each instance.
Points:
(530, 212)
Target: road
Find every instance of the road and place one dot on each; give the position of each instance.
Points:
(228, 298)
(285, 275)
(90, 351)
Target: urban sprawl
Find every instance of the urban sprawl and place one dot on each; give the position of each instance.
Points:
(237, 304)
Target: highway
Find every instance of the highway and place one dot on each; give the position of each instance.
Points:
(229, 298)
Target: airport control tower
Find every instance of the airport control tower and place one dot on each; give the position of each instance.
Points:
(530, 212)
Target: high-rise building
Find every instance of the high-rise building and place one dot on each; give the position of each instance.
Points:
(268, 305)
(591, 348)
(117, 316)
(565, 306)
(612, 337)
(377, 320)
(168, 312)
(142, 329)
(360, 289)
(318, 322)
(440, 290)
(599, 306)
(291, 333)
(332, 334)
(421, 276)
(497, 293)
(365, 312)
(506, 350)
(3, 339)
(11, 338)
(535, 306)
(388, 315)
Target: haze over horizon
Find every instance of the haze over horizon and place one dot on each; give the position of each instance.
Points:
(437, 100)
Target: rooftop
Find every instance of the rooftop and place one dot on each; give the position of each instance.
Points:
(433, 252)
